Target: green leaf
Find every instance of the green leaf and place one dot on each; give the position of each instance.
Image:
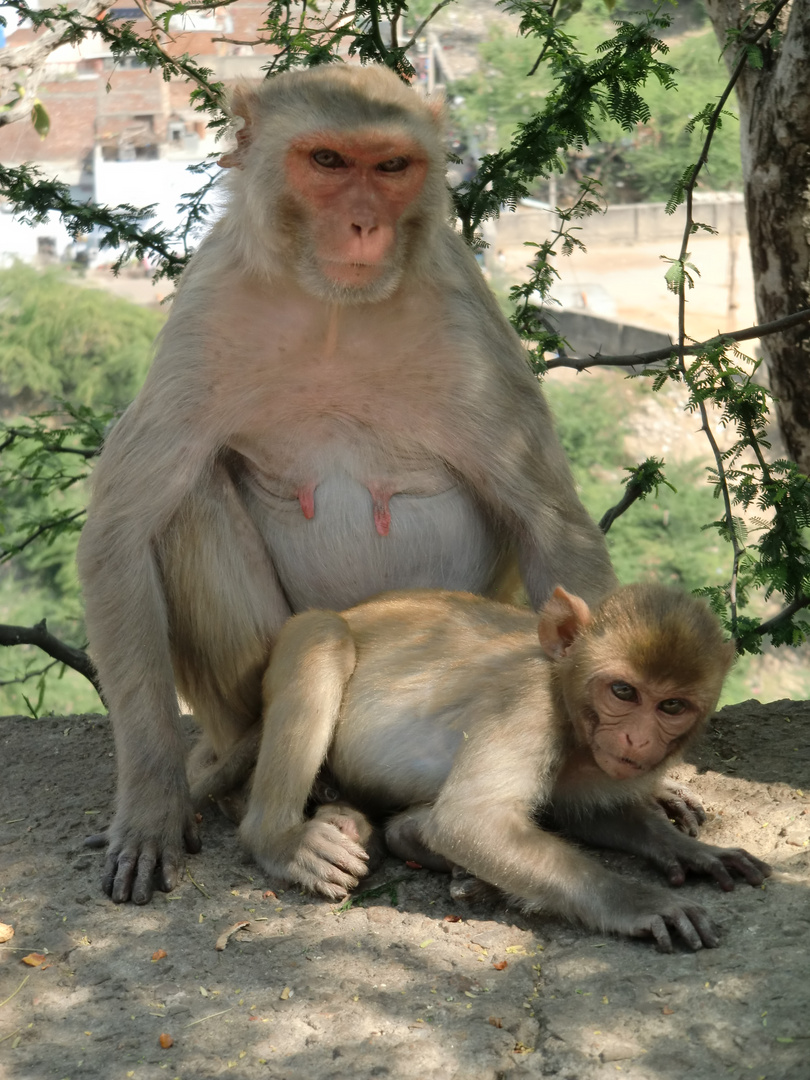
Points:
(40, 119)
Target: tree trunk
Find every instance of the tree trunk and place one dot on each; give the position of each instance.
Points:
(774, 105)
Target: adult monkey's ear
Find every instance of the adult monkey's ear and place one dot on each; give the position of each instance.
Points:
(437, 106)
(243, 107)
(562, 618)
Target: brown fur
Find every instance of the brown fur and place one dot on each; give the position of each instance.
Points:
(445, 711)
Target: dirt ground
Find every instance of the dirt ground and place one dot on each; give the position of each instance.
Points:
(406, 983)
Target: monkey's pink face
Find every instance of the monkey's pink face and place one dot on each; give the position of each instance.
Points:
(355, 188)
(639, 724)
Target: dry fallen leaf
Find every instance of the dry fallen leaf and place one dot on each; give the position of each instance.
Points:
(413, 865)
(268, 894)
(500, 965)
(286, 994)
(452, 918)
(159, 954)
(496, 1021)
(667, 1011)
(222, 940)
(34, 959)
(166, 1041)
(6, 932)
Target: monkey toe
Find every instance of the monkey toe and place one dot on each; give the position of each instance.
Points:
(144, 884)
(676, 874)
(696, 928)
(168, 873)
(97, 840)
(332, 882)
(469, 888)
(119, 875)
(191, 837)
(752, 869)
(658, 929)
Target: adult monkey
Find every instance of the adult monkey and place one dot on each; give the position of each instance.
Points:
(337, 407)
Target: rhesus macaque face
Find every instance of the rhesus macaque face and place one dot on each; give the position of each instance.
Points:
(636, 723)
(639, 675)
(353, 190)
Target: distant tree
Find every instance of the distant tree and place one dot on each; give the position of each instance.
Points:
(60, 341)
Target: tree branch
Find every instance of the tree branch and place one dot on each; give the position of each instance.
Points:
(46, 526)
(24, 64)
(783, 616)
(420, 28)
(631, 494)
(29, 675)
(655, 355)
(39, 635)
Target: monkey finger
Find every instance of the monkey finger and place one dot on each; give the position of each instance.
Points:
(320, 871)
(328, 881)
(348, 863)
(97, 840)
(328, 843)
(686, 817)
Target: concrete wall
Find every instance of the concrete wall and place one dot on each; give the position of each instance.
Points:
(634, 223)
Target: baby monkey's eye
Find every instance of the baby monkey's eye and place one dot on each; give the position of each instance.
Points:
(673, 706)
(623, 691)
(394, 164)
(328, 159)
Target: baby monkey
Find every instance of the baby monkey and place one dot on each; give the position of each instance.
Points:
(464, 723)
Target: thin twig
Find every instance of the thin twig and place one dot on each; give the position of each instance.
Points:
(207, 5)
(788, 612)
(546, 44)
(631, 494)
(19, 988)
(8, 553)
(51, 448)
(210, 1016)
(664, 353)
(420, 28)
(197, 885)
(30, 675)
(39, 635)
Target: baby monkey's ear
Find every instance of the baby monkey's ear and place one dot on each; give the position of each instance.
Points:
(562, 619)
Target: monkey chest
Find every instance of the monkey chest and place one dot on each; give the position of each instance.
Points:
(343, 539)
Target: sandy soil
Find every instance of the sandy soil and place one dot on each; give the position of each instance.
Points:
(406, 983)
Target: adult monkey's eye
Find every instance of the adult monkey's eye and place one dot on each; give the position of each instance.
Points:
(394, 164)
(673, 706)
(328, 159)
(623, 691)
